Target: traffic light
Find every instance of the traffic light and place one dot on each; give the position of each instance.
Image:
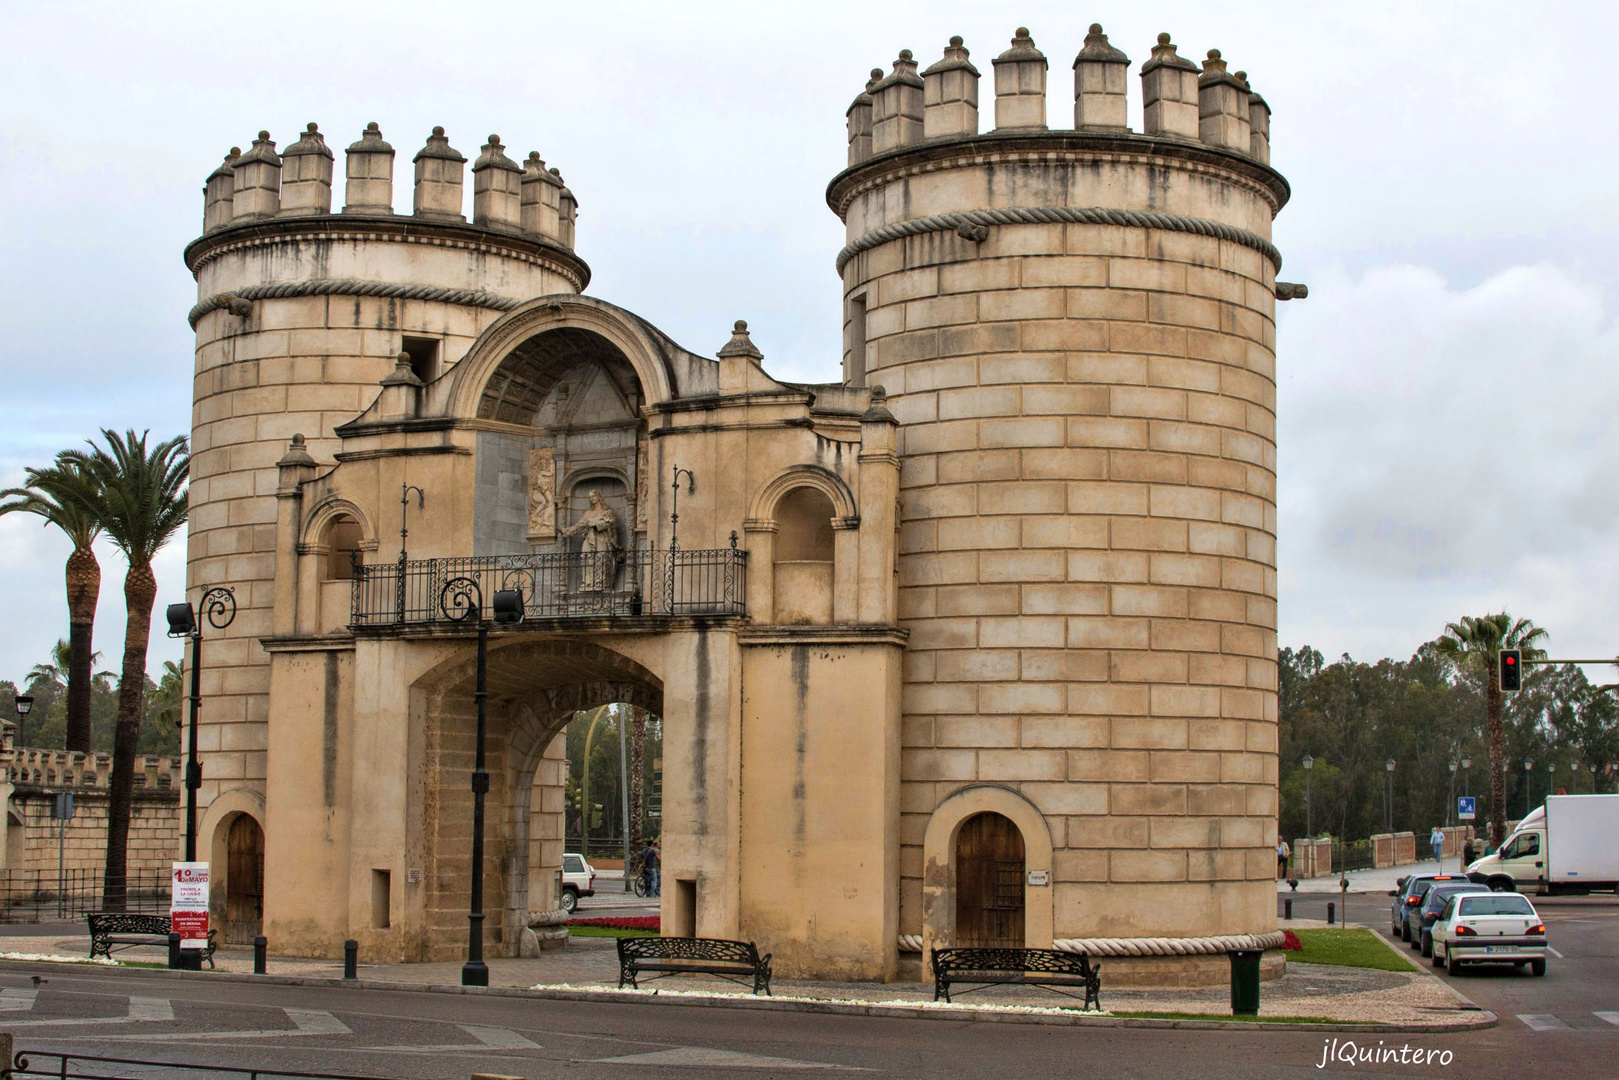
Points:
(1511, 664)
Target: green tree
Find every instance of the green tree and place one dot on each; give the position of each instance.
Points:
(165, 701)
(1474, 644)
(138, 494)
(52, 494)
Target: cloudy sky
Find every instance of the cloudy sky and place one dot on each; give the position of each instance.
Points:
(1447, 442)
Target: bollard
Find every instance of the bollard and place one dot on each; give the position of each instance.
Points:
(174, 951)
(1332, 912)
(261, 946)
(351, 959)
(1245, 981)
(1287, 905)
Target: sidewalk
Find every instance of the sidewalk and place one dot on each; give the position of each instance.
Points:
(1371, 881)
(1411, 999)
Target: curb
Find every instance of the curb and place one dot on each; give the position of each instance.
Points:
(897, 1010)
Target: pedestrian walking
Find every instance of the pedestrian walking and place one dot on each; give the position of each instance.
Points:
(1437, 840)
(651, 864)
(1469, 853)
(1283, 852)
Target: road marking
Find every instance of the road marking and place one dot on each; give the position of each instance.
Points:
(306, 1021)
(1555, 953)
(150, 1008)
(705, 1057)
(1543, 1022)
(17, 1000)
(488, 1039)
(1610, 1017)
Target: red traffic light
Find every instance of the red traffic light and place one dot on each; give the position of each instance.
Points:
(1510, 673)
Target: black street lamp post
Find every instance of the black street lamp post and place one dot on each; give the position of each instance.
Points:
(1389, 796)
(1451, 809)
(218, 607)
(1467, 774)
(462, 600)
(1309, 765)
(1528, 784)
(25, 705)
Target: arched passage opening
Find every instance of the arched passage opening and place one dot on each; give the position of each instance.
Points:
(242, 838)
(535, 688)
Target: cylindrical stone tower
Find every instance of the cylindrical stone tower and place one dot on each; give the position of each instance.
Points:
(1076, 332)
(301, 315)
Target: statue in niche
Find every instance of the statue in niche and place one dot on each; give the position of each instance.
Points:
(599, 549)
(542, 487)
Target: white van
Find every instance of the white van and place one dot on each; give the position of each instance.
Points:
(1568, 846)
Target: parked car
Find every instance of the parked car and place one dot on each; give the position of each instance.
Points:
(1408, 897)
(1489, 928)
(578, 879)
(1564, 847)
(1420, 919)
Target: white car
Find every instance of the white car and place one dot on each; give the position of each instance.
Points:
(578, 879)
(1489, 928)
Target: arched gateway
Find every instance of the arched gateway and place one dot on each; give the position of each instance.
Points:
(976, 644)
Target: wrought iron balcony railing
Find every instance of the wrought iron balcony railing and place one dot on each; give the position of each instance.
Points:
(571, 585)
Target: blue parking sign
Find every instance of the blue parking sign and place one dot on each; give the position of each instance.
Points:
(1465, 805)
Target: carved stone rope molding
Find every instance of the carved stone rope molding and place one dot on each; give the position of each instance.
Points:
(973, 225)
(1154, 946)
(350, 287)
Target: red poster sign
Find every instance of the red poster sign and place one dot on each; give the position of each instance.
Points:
(188, 907)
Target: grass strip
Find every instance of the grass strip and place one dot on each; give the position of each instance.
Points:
(1348, 948)
(1240, 1019)
(608, 931)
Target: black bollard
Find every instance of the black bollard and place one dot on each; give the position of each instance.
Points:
(351, 959)
(1287, 908)
(261, 945)
(174, 951)
(1332, 912)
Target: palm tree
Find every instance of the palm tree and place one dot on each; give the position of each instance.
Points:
(139, 497)
(1476, 643)
(47, 495)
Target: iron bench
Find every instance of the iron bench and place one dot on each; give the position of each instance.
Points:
(125, 929)
(1046, 968)
(730, 960)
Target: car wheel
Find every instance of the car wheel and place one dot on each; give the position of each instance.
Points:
(1537, 967)
(1427, 944)
(1503, 884)
(570, 900)
(1405, 932)
(1452, 965)
(1438, 957)
(1415, 937)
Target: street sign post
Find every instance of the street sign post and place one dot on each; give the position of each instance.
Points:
(1466, 805)
(188, 911)
(62, 811)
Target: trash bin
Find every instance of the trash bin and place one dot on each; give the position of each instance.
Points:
(1245, 981)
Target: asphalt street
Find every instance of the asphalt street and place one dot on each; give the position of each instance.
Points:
(200, 1020)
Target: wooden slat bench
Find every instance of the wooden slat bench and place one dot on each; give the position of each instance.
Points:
(734, 961)
(125, 929)
(983, 968)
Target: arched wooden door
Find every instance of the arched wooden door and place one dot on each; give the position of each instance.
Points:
(989, 883)
(244, 881)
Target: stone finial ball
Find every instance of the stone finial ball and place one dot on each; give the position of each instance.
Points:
(236, 151)
(534, 155)
(905, 54)
(297, 440)
(1022, 33)
(494, 140)
(955, 41)
(741, 326)
(1163, 39)
(1242, 76)
(312, 127)
(372, 126)
(438, 130)
(876, 73)
(1096, 28)
(1214, 54)
(264, 135)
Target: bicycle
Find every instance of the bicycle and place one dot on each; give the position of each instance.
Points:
(643, 883)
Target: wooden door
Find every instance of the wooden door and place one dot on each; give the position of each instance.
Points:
(989, 883)
(244, 882)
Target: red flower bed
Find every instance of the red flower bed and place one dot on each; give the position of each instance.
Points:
(1291, 942)
(639, 922)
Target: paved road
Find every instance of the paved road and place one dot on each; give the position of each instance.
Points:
(419, 1035)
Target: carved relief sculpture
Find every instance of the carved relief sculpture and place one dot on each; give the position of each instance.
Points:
(641, 453)
(542, 489)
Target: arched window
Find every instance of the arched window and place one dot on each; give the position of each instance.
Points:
(342, 539)
(804, 558)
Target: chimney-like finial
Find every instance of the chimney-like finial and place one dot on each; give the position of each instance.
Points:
(439, 175)
(740, 344)
(1020, 85)
(256, 183)
(1101, 84)
(1169, 92)
(496, 188)
(950, 95)
(896, 107)
(369, 173)
(306, 175)
(218, 191)
(1223, 107)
